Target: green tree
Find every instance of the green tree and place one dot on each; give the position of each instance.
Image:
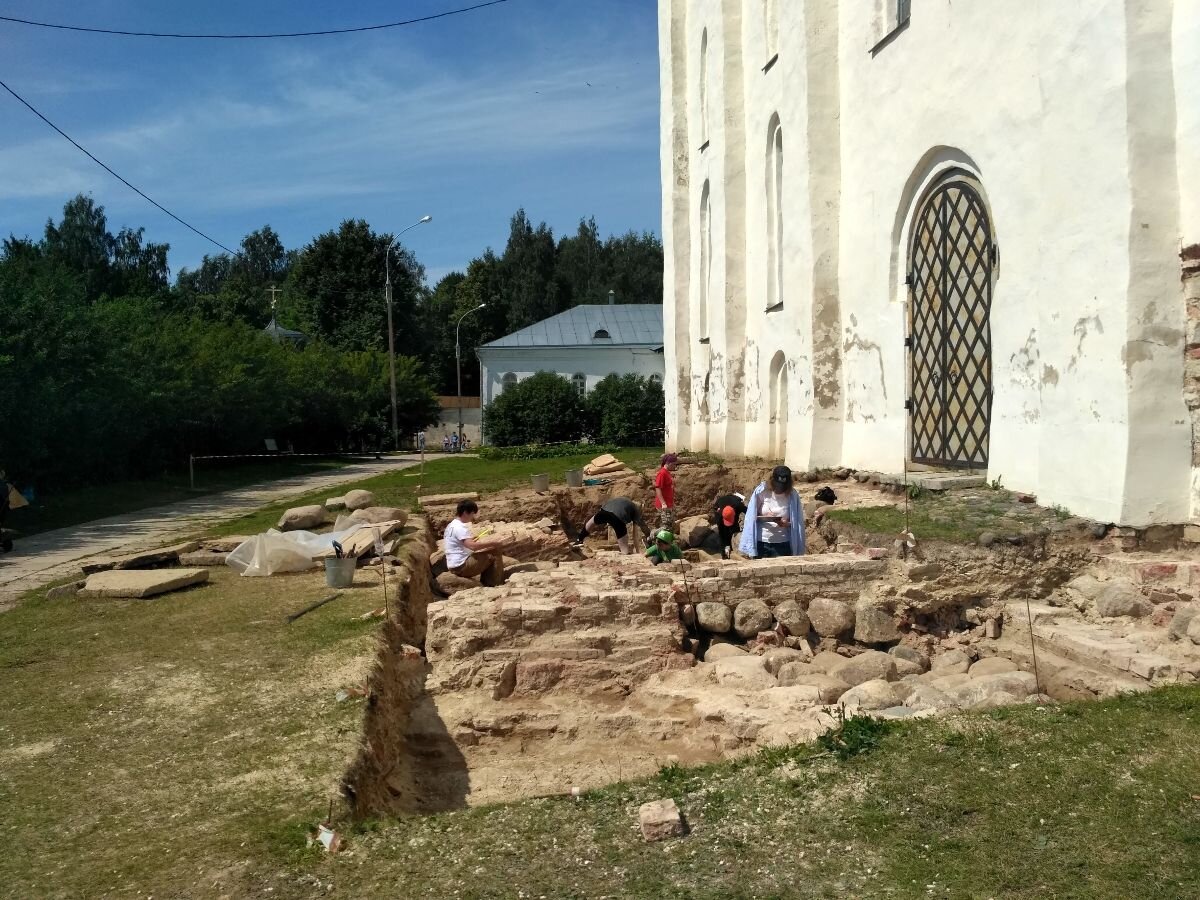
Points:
(544, 408)
(229, 289)
(628, 410)
(528, 281)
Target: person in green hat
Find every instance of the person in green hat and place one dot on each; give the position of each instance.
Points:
(664, 549)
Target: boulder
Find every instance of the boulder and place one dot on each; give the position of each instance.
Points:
(776, 659)
(926, 696)
(65, 591)
(829, 689)
(139, 584)
(356, 500)
(1181, 620)
(826, 660)
(376, 515)
(830, 618)
(993, 665)
(905, 667)
(1121, 598)
(1193, 631)
(1086, 586)
(714, 617)
(869, 666)
(793, 619)
(744, 672)
(693, 531)
(723, 651)
(873, 625)
(335, 504)
(661, 820)
(203, 558)
(437, 562)
(952, 662)
(985, 692)
(450, 584)
(303, 518)
(870, 695)
(751, 617)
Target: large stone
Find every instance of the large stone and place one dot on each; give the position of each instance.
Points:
(793, 619)
(952, 662)
(1001, 689)
(65, 591)
(873, 625)
(868, 666)
(359, 500)
(776, 659)
(376, 515)
(303, 518)
(926, 696)
(1193, 631)
(223, 544)
(693, 531)
(1086, 586)
(1181, 620)
(716, 618)
(660, 820)
(751, 617)
(993, 665)
(746, 672)
(829, 689)
(830, 618)
(827, 660)
(450, 584)
(203, 558)
(156, 558)
(723, 651)
(905, 667)
(141, 583)
(1121, 598)
(912, 654)
(870, 695)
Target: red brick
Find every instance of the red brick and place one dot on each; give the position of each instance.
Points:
(1157, 571)
(1193, 352)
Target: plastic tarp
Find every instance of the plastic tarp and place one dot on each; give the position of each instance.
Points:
(277, 552)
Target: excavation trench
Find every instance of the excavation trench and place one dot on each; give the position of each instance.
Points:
(599, 668)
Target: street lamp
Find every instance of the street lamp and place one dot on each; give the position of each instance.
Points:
(387, 293)
(458, 366)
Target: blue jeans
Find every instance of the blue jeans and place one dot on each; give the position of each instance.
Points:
(771, 551)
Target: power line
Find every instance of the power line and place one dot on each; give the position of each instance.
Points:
(107, 169)
(254, 37)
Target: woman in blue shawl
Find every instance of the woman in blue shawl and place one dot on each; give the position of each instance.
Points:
(774, 519)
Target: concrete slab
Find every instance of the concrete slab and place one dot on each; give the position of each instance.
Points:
(141, 583)
(937, 481)
(142, 559)
(446, 499)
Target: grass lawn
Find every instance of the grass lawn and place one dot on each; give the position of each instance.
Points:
(60, 510)
(457, 474)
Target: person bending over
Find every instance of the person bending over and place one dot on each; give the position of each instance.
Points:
(618, 514)
(664, 549)
(468, 556)
(774, 518)
(730, 510)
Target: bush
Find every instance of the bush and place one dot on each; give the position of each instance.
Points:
(628, 410)
(543, 409)
(543, 451)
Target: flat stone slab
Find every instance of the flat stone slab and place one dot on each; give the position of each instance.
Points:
(225, 544)
(141, 583)
(446, 499)
(142, 559)
(937, 481)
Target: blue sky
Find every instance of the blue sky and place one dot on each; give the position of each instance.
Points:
(466, 118)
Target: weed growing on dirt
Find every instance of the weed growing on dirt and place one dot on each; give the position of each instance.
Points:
(855, 735)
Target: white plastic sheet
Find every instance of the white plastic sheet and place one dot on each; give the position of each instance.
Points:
(277, 552)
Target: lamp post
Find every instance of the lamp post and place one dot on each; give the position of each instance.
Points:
(387, 293)
(458, 366)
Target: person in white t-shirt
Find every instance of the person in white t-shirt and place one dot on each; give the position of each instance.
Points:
(467, 556)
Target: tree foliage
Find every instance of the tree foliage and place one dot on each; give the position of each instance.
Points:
(627, 410)
(543, 409)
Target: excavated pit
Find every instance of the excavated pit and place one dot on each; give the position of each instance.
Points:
(602, 668)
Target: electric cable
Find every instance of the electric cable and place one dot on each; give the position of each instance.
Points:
(252, 37)
(110, 171)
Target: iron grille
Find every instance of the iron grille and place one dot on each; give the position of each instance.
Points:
(950, 337)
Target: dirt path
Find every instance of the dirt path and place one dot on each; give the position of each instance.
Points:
(51, 555)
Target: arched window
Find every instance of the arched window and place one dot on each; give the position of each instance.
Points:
(656, 378)
(774, 213)
(771, 27)
(704, 87)
(509, 379)
(580, 382)
(601, 334)
(705, 260)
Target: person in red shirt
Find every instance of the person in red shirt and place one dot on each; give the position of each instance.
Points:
(664, 492)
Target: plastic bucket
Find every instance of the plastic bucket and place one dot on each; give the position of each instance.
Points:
(339, 573)
(541, 483)
(575, 478)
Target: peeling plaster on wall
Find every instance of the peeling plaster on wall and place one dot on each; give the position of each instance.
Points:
(716, 389)
(1082, 329)
(856, 342)
(1135, 352)
(750, 364)
(1049, 375)
(1024, 365)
